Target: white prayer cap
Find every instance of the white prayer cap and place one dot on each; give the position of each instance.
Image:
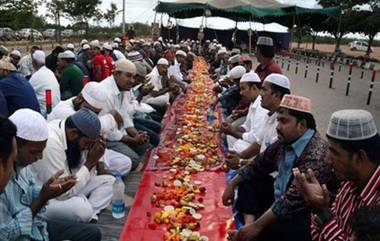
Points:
(125, 65)
(278, 79)
(181, 52)
(298, 103)
(234, 59)
(267, 41)
(222, 51)
(214, 40)
(16, 52)
(351, 125)
(85, 46)
(95, 43)
(70, 46)
(83, 41)
(117, 40)
(31, 125)
(163, 61)
(107, 46)
(177, 46)
(6, 65)
(156, 43)
(66, 55)
(94, 95)
(250, 77)
(236, 72)
(235, 51)
(39, 56)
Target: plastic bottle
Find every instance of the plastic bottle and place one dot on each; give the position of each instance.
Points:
(118, 206)
(210, 115)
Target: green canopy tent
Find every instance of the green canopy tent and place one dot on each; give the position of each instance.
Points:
(251, 10)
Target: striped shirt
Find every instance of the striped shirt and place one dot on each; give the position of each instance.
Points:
(347, 202)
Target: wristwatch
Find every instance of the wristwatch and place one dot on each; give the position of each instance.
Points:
(323, 217)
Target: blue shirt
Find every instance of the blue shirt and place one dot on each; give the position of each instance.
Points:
(292, 152)
(18, 93)
(16, 219)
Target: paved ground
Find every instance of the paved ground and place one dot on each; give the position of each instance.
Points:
(325, 100)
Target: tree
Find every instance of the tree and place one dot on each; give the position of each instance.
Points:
(339, 27)
(110, 15)
(56, 11)
(82, 10)
(369, 24)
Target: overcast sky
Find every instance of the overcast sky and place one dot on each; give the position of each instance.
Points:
(142, 11)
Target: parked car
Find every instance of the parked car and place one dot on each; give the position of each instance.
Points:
(7, 34)
(27, 33)
(67, 33)
(359, 45)
(49, 33)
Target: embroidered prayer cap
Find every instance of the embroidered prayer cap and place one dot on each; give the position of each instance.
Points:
(94, 95)
(39, 56)
(181, 52)
(31, 125)
(70, 46)
(95, 43)
(234, 59)
(266, 41)
(134, 56)
(87, 122)
(250, 77)
(66, 55)
(351, 125)
(117, 40)
(107, 46)
(222, 51)
(236, 72)
(163, 61)
(125, 65)
(278, 79)
(235, 51)
(6, 65)
(86, 46)
(83, 41)
(298, 103)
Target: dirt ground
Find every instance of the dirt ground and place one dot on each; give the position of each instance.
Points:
(345, 49)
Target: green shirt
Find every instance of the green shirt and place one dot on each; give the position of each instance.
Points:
(71, 80)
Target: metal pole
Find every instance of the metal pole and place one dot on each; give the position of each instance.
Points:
(250, 37)
(371, 87)
(318, 69)
(307, 67)
(288, 68)
(331, 74)
(123, 25)
(349, 80)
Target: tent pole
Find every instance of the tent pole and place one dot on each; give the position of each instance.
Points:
(250, 37)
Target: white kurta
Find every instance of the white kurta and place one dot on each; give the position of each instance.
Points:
(114, 161)
(96, 189)
(253, 125)
(269, 133)
(25, 65)
(115, 101)
(42, 80)
(155, 79)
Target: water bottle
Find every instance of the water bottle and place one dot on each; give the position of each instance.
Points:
(210, 115)
(118, 207)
